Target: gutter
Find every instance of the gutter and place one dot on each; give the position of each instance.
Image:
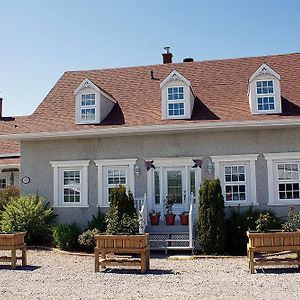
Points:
(154, 129)
(9, 155)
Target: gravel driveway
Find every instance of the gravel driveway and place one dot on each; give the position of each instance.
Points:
(55, 276)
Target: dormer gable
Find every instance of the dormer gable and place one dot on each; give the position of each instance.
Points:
(177, 97)
(92, 104)
(264, 91)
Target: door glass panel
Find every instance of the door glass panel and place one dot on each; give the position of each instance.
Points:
(174, 181)
(156, 187)
(193, 184)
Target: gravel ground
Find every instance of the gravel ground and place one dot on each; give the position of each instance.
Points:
(53, 275)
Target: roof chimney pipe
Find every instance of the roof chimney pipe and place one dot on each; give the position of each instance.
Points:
(167, 56)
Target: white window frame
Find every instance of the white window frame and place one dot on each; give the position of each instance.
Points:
(58, 168)
(247, 160)
(175, 101)
(6, 177)
(86, 107)
(273, 159)
(110, 185)
(103, 166)
(266, 95)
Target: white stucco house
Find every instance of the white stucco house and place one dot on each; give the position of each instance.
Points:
(161, 130)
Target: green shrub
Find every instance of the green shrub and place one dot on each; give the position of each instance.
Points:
(87, 239)
(122, 217)
(98, 222)
(240, 221)
(211, 223)
(7, 194)
(65, 236)
(29, 214)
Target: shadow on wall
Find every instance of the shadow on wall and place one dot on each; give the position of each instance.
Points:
(202, 112)
(289, 108)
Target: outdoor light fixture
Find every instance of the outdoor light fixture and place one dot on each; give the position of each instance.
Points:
(136, 170)
(210, 167)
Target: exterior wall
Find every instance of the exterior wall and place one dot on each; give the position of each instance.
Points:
(37, 155)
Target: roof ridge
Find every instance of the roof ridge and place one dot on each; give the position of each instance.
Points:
(180, 63)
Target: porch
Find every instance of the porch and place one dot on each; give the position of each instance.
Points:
(168, 237)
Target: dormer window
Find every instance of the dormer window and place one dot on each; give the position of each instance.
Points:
(265, 95)
(88, 107)
(177, 97)
(264, 91)
(92, 103)
(176, 101)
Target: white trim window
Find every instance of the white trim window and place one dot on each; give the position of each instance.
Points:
(283, 178)
(115, 176)
(237, 178)
(88, 107)
(70, 183)
(3, 183)
(111, 173)
(265, 95)
(175, 101)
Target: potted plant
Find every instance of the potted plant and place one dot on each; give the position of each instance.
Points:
(169, 216)
(154, 216)
(184, 218)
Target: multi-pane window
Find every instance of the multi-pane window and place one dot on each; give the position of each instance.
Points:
(115, 177)
(235, 183)
(176, 101)
(2, 183)
(265, 95)
(71, 186)
(88, 107)
(288, 181)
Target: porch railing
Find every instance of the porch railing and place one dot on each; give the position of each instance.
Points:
(142, 209)
(191, 220)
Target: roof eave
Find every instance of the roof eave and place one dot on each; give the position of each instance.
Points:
(154, 129)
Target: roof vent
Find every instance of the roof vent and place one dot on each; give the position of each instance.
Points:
(188, 59)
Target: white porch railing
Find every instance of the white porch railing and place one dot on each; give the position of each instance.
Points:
(191, 220)
(141, 206)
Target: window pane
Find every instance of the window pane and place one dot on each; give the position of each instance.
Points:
(174, 182)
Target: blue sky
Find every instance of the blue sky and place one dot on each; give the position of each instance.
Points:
(39, 40)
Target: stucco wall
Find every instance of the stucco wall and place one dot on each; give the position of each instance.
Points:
(35, 158)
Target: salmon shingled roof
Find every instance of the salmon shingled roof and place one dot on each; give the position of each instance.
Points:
(220, 87)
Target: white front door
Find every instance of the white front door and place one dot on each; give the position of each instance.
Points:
(175, 187)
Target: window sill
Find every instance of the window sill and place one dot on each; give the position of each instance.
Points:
(241, 204)
(71, 206)
(285, 203)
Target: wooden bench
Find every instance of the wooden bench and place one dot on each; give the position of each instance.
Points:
(272, 242)
(13, 242)
(106, 245)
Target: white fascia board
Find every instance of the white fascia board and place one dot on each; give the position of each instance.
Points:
(269, 69)
(174, 72)
(83, 84)
(8, 155)
(153, 129)
(73, 163)
(9, 166)
(282, 156)
(232, 158)
(172, 161)
(116, 162)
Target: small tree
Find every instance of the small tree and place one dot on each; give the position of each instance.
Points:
(122, 217)
(211, 223)
(7, 194)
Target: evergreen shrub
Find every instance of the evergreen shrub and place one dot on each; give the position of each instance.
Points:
(122, 217)
(211, 223)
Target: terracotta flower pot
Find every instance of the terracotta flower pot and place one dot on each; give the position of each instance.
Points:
(170, 219)
(184, 219)
(154, 219)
